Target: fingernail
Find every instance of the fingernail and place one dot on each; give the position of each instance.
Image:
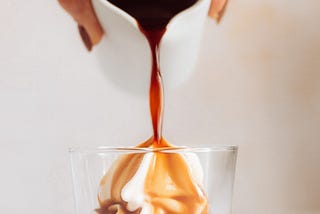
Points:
(85, 37)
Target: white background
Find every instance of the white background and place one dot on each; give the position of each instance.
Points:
(257, 85)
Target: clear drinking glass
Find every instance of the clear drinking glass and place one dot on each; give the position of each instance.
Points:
(89, 165)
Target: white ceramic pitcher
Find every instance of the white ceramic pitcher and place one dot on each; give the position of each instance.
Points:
(125, 55)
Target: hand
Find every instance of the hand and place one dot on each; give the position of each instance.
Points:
(90, 29)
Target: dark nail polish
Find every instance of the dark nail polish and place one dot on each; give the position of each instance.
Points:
(85, 37)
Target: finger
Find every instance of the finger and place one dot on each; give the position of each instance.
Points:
(82, 11)
(90, 22)
(217, 9)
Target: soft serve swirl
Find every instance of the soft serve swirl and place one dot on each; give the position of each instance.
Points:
(156, 182)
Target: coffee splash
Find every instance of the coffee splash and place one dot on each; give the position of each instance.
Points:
(165, 179)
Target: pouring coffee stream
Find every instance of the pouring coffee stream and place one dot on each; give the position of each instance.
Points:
(152, 18)
(156, 85)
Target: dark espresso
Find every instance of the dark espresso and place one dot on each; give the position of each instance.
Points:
(153, 14)
(153, 17)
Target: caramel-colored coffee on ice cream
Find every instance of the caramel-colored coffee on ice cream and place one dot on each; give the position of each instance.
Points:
(157, 181)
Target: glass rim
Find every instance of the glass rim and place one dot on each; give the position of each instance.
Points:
(106, 149)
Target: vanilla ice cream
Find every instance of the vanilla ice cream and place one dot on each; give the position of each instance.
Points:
(154, 182)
